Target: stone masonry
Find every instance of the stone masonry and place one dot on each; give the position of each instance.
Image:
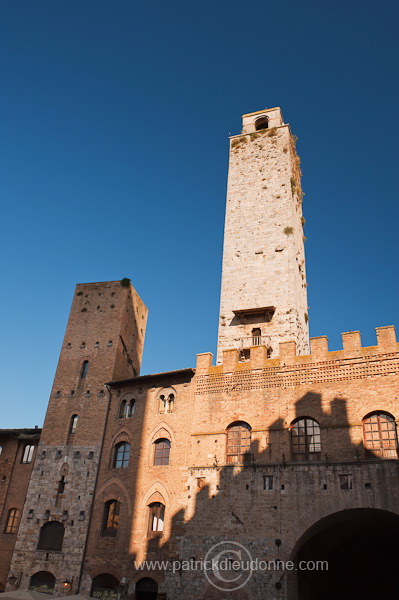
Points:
(263, 276)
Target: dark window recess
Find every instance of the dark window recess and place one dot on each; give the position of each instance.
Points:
(85, 368)
(345, 482)
(267, 482)
(238, 443)
(157, 517)
(305, 439)
(162, 452)
(261, 123)
(12, 521)
(51, 536)
(110, 522)
(61, 485)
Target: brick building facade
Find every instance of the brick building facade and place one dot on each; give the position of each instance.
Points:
(282, 451)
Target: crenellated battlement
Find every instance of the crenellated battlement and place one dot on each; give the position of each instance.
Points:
(352, 353)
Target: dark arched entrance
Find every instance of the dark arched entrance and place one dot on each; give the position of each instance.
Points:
(42, 581)
(104, 586)
(146, 589)
(361, 548)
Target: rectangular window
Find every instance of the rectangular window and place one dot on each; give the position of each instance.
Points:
(267, 482)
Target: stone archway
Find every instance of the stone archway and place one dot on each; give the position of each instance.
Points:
(146, 589)
(361, 549)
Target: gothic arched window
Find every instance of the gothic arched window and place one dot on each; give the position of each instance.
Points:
(110, 521)
(121, 455)
(162, 451)
(380, 436)
(238, 443)
(12, 521)
(305, 439)
(157, 517)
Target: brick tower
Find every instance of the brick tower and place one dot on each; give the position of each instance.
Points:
(263, 294)
(104, 340)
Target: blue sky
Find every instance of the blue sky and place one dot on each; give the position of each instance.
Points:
(115, 119)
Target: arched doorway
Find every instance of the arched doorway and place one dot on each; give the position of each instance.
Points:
(42, 581)
(361, 549)
(146, 589)
(104, 586)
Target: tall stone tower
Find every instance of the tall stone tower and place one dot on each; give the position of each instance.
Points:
(263, 295)
(103, 341)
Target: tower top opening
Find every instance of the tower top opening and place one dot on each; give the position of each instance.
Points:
(262, 119)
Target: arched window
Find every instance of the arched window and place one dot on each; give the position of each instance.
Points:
(110, 521)
(261, 123)
(380, 436)
(43, 582)
(305, 439)
(12, 521)
(121, 455)
(238, 443)
(162, 451)
(166, 403)
(85, 368)
(73, 424)
(1, 450)
(28, 454)
(146, 589)
(126, 409)
(104, 586)
(157, 517)
(51, 536)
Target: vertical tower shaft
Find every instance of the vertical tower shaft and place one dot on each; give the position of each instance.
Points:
(263, 294)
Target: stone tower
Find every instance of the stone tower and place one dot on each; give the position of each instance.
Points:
(103, 341)
(263, 294)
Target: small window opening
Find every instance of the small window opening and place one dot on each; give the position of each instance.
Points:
(85, 368)
(162, 452)
(28, 454)
(127, 409)
(12, 521)
(268, 482)
(345, 482)
(256, 336)
(110, 518)
(61, 485)
(121, 455)
(261, 123)
(157, 517)
(74, 424)
(166, 403)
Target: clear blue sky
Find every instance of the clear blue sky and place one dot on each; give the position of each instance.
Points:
(115, 117)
